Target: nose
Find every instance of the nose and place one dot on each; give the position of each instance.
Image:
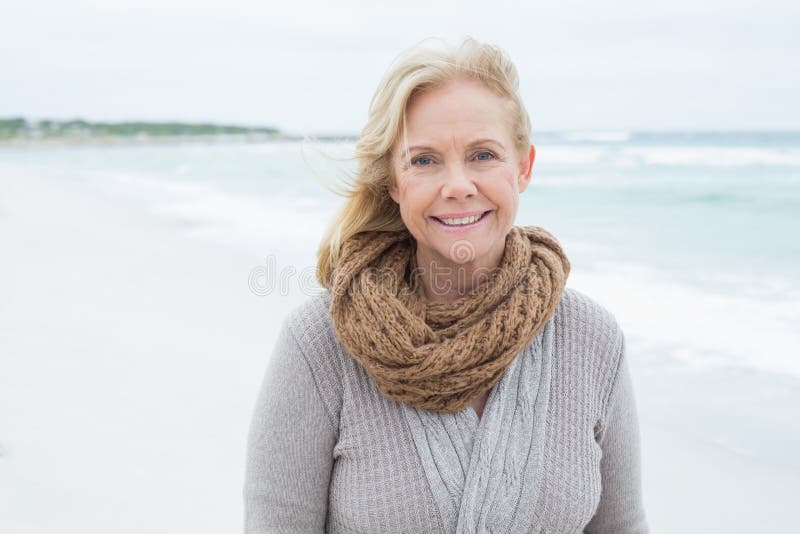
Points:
(457, 183)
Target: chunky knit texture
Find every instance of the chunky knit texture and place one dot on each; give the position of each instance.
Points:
(327, 452)
(441, 355)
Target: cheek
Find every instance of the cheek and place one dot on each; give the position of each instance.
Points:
(415, 197)
(408, 204)
(503, 185)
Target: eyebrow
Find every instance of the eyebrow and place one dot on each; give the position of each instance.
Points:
(472, 144)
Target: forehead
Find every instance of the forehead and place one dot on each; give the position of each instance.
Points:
(460, 109)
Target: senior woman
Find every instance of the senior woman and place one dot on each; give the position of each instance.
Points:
(445, 380)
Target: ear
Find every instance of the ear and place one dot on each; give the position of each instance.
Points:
(393, 191)
(525, 169)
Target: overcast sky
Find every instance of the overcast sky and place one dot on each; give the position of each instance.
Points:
(311, 66)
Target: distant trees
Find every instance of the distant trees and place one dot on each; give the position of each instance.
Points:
(18, 127)
(12, 127)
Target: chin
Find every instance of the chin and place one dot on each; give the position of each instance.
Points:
(465, 251)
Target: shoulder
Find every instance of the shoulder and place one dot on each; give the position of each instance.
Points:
(310, 320)
(578, 310)
(589, 343)
(309, 324)
(586, 322)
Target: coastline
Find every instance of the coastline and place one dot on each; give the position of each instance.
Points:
(145, 140)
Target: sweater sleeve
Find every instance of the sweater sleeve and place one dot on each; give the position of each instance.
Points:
(290, 447)
(621, 508)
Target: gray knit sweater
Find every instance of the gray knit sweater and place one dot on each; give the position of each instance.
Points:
(555, 451)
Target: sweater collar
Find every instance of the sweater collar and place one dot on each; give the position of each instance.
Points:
(484, 472)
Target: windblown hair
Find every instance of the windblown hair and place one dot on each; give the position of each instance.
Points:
(368, 205)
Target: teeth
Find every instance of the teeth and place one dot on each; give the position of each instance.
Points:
(462, 220)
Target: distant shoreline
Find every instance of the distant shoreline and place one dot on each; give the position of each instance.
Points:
(165, 140)
(20, 132)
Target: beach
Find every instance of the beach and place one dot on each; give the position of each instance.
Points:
(136, 323)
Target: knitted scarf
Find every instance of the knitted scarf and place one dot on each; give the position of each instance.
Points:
(441, 355)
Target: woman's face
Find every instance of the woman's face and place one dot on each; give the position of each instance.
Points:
(463, 166)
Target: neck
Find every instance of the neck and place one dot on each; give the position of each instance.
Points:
(445, 280)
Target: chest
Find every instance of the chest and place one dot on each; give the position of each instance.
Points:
(382, 475)
(480, 403)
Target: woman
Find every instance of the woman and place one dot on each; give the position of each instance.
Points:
(446, 380)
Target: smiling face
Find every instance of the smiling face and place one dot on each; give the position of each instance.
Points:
(459, 195)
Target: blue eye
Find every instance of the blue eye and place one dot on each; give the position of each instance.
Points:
(422, 160)
(484, 156)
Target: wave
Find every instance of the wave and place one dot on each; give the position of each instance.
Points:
(637, 156)
(701, 327)
(611, 136)
(711, 156)
(206, 211)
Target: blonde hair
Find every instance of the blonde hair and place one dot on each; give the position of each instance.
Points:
(368, 205)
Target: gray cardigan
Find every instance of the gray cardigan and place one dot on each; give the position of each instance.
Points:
(556, 450)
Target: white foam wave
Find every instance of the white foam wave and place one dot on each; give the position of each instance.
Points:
(710, 156)
(611, 136)
(700, 327)
(569, 155)
(635, 156)
(207, 212)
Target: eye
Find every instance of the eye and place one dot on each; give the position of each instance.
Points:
(484, 156)
(422, 161)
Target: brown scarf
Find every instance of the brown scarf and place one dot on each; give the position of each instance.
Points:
(441, 355)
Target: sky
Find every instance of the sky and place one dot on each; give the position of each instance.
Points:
(310, 67)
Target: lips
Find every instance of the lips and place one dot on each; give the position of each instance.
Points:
(462, 228)
(463, 215)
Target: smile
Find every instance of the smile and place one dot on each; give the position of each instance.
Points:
(462, 223)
